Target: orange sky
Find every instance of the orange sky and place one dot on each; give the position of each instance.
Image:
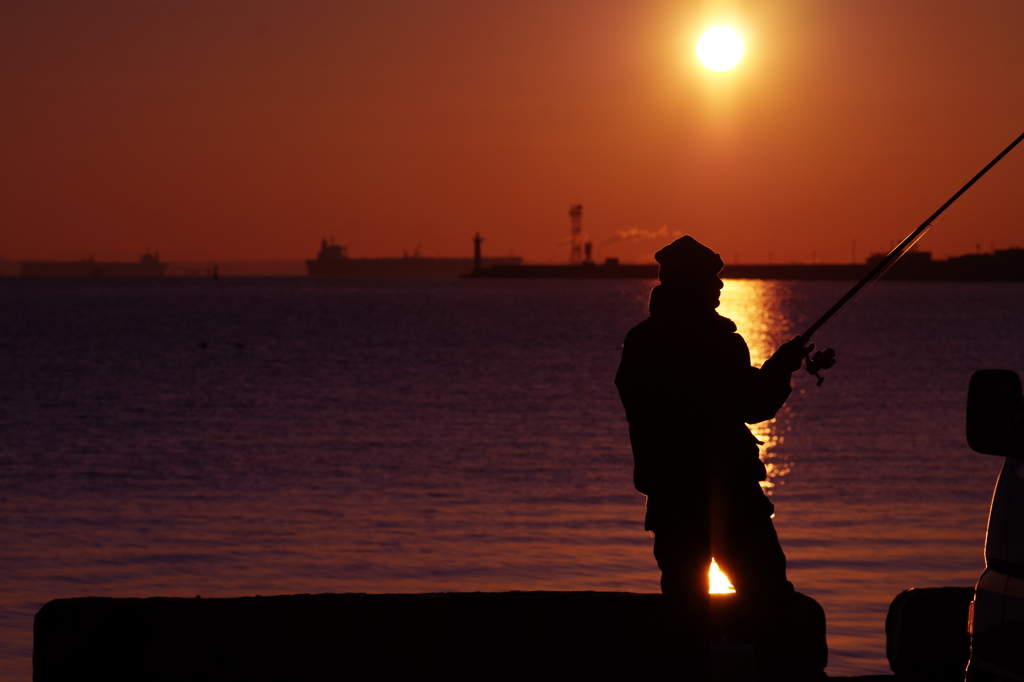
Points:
(250, 129)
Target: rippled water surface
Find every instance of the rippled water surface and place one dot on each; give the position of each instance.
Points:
(267, 436)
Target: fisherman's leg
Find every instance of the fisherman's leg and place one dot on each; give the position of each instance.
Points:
(683, 560)
(790, 646)
(748, 551)
(682, 543)
(750, 546)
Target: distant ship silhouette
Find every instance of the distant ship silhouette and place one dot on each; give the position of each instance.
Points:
(149, 265)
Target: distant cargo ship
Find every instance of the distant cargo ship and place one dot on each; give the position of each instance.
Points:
(333, 261)
(149, 265)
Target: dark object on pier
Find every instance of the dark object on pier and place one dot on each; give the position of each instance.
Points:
(358, 636)
(926, 634)
(791, 649)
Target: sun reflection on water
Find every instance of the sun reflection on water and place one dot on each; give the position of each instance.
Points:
(718, 582)
(756, 308)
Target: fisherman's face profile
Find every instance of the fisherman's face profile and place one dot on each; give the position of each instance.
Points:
(712, 288)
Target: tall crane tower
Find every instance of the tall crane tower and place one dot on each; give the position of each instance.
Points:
(576, 214)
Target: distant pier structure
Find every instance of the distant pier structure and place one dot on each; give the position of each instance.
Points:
(477, 259)
(334, 261)
(576, 216)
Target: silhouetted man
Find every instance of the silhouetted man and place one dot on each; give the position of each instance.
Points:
(689, 390)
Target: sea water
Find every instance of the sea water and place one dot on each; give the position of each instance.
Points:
(185, 437)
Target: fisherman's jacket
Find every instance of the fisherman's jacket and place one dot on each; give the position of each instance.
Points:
(689, 390)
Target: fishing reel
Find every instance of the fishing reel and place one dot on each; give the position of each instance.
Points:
(821, 360)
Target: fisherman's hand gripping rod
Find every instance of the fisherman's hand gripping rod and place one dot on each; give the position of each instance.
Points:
(826, 358)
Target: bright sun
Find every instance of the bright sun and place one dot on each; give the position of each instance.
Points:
(720, 49)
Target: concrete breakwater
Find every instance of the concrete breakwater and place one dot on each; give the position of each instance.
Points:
(360, 636)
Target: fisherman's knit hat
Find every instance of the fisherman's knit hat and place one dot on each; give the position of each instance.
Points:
(686, 259)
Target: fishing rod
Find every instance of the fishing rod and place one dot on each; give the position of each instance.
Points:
(826, 358)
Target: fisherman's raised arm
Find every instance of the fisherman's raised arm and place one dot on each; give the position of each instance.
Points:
(768, 388)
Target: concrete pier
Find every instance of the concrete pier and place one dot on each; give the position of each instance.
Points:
(361, 636)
